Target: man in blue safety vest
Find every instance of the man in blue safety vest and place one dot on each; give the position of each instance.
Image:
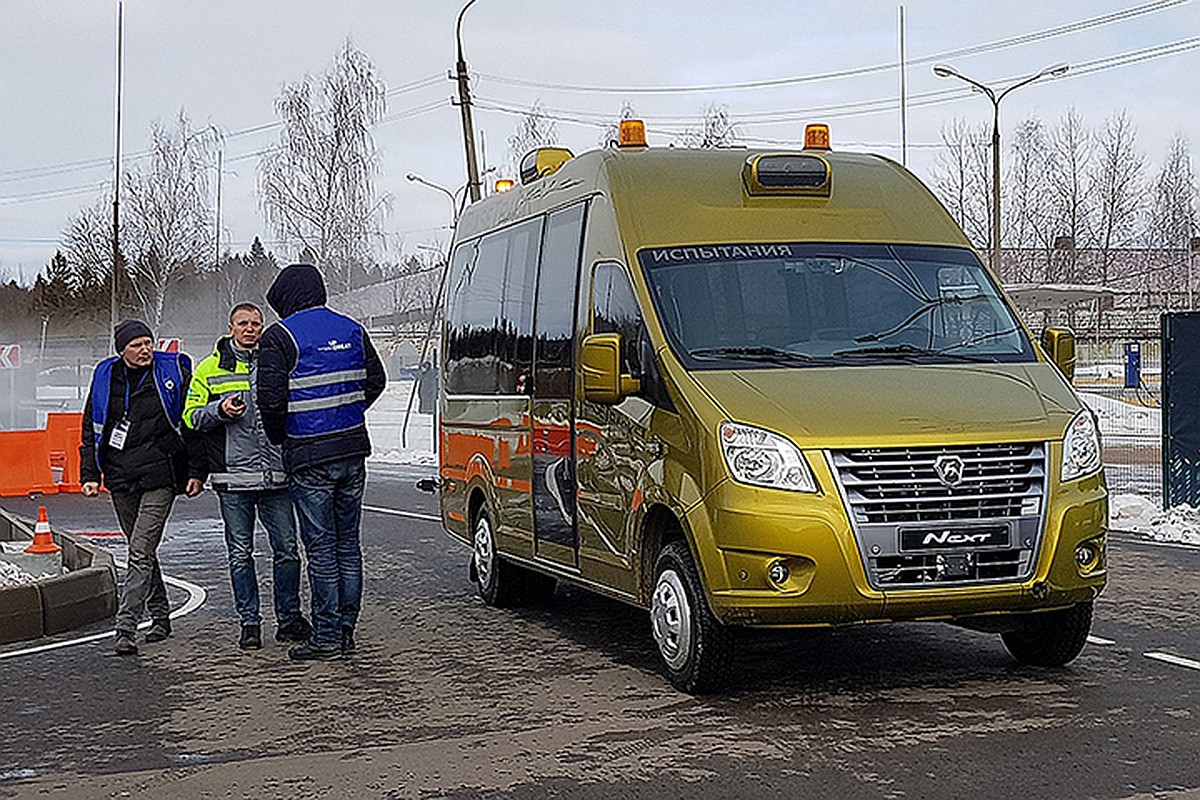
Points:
(317, 375)
(133, 441)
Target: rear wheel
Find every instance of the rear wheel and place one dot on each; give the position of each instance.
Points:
(696, 650)
(1051, 638)
(499, 585)
(502, 583)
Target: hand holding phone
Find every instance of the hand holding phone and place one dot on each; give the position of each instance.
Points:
(234, 405)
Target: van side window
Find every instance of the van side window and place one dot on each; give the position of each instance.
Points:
(615, 309)
(554, 317)
(490, 315)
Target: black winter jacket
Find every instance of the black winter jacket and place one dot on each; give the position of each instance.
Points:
(155, 456)
(296, 288)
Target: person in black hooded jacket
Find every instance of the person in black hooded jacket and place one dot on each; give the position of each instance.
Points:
(317, 375)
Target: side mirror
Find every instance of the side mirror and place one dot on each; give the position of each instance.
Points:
(1059, 344)
(602, 378)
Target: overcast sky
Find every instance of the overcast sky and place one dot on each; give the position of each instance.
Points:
(224, 61)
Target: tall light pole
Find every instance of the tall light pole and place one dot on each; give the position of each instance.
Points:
(944, 71)
(114, 307)
(464, 104)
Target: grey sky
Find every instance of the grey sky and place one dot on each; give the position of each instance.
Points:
(224, 61)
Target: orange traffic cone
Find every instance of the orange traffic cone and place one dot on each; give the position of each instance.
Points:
(43, 542)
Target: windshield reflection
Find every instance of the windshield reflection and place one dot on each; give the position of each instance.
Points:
(830, 304)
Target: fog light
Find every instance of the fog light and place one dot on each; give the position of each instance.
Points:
(1085, 556)
(778, 573)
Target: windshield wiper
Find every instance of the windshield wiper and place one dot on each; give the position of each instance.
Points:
(771, 355)
(907, 352)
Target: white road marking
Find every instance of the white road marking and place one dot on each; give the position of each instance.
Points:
(1176, 660)
(196, 598)
(398, 513)
(1098, 640)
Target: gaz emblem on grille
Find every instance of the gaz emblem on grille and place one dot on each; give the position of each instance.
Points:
(949, 470)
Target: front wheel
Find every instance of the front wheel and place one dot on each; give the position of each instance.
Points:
(1051, 638)
(696, 650)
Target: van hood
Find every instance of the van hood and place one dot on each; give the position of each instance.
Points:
(889, 406)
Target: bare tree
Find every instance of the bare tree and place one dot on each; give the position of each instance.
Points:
(962, 178)
(1028, 230)
(716, 130)
(1071, 207)
(167, 219)
(87, 241)
(536, 129)
(1115, 184)
(1172, 219)
(317, 184)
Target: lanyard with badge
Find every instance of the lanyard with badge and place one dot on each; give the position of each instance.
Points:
(120, 431)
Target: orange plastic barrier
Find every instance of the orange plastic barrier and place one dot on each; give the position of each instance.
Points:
(62, 441)
(25, 464)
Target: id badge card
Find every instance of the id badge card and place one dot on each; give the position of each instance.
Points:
(116, 439)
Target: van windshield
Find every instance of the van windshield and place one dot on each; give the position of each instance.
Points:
(811, 304)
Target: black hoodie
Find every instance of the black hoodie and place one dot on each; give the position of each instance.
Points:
(296, 288)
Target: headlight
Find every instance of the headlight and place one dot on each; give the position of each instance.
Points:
(762, 458)
(1081, 447)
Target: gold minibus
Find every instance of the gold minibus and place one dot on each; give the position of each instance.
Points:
(744, 388)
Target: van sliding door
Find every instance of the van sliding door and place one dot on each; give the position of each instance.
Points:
(554, 483)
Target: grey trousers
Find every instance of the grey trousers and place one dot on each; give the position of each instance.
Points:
(142, 516)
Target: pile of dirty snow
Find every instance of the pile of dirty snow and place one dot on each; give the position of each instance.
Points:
(1136, 514)
(12, 575)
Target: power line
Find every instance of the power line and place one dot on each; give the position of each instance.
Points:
(858, 107)
(999, 44)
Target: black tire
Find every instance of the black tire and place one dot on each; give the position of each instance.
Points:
(500, 583)
(1051, 638)
(695, 649)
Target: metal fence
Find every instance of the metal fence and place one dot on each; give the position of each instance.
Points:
(1128, 402)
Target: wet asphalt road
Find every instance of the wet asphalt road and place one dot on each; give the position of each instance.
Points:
(449, 698)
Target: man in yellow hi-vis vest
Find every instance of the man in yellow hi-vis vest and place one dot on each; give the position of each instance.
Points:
(246, 471)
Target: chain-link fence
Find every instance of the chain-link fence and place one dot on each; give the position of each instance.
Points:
(1122, 382)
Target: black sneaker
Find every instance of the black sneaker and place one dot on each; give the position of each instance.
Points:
(298, 630)
(126, 646)
(251, 638)
(306, 652)
(159, 630)
(348, 646)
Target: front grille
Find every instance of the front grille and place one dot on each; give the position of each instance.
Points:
(902, 485)
(969, 514)
(945, 567)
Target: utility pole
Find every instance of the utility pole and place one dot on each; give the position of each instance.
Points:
(464, 104)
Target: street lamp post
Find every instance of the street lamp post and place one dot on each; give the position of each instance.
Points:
(944, 71)
(454, 210)
(464, 104)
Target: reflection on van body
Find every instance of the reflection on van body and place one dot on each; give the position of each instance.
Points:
(748, 389)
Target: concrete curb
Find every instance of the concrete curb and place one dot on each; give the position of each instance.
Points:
(86, 593)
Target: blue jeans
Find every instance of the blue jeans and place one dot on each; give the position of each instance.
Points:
(328, 500)
(274, 507)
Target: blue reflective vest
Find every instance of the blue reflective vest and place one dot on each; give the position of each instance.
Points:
(327, 387)
(168, 379)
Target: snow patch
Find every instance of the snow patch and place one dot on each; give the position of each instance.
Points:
(1136, 514)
